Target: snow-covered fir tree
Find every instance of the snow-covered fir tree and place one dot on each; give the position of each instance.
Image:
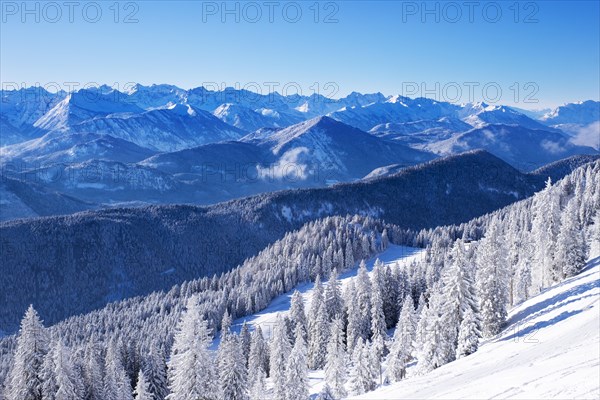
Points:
(232, 369)
(297, 371)
(459, 295)
(336, 360)
(92, 371)
(298, 315)
(492, 280)
(69, 385)
(258, 385)
(258, 360)
(24, 381)
(468, 335)
(318, 326)
(117, 385)
(142, 388)
(333, 297)
(361, 372)
(245, 340)
(363, 294)
(402, 345)
(155, 371)
(279, 355)
(191, 368)
(570, 250)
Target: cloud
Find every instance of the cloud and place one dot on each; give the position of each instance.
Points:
(587, 135)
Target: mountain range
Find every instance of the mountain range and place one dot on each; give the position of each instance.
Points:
(162, 144)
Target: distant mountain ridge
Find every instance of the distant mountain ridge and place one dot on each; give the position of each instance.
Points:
(218, 145)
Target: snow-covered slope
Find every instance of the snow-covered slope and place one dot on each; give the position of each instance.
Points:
(85, 104)
(174, 127)
(419, 133)
(19, 109)
(582, 113)
(524, 148)
(333, 149)
(251, 120)
(62, 147)
(396, 109)
(549, 349)
(267, 318)
(482, 114)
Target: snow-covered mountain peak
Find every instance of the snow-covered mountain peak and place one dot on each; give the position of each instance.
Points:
(182, 109)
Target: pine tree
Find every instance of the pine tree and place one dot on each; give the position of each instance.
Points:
(245, 340)
(280, 352)
(297, 371)
(232, 369)
(402, 345)
(48, 375)
(492, 281)
(361, 373)
(544, 231)
(363, 293)
(191, 369)
(333, 297)
(258, 359)
(392, 290)
(468, 336)
(335, 365)
(378, 327)
(459, 296)
(24, 382)
(298, 315)
(155, 371)
(142, 388)
(317, 329)
(68, 381)
(92, 371)
(258, 386)
(431, 348)
(570, 247)
(353, 316)
(226, 324)
(116, 382)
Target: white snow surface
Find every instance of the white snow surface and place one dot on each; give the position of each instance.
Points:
(550, 349)
(267, 319)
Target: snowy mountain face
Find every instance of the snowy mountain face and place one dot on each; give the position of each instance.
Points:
(419, 133)
(20, 109)
(583, 113)
(251, 120)
(579, 120)
(481, 114)
(83, 105)
(524, 148)
(65, 147)
(175, 127)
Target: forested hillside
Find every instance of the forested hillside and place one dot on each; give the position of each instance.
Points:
(102, 256)
(459, 292)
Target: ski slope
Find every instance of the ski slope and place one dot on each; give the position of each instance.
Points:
(267, 319)
(550, 349)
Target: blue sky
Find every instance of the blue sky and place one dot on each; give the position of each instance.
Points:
(549, 49)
